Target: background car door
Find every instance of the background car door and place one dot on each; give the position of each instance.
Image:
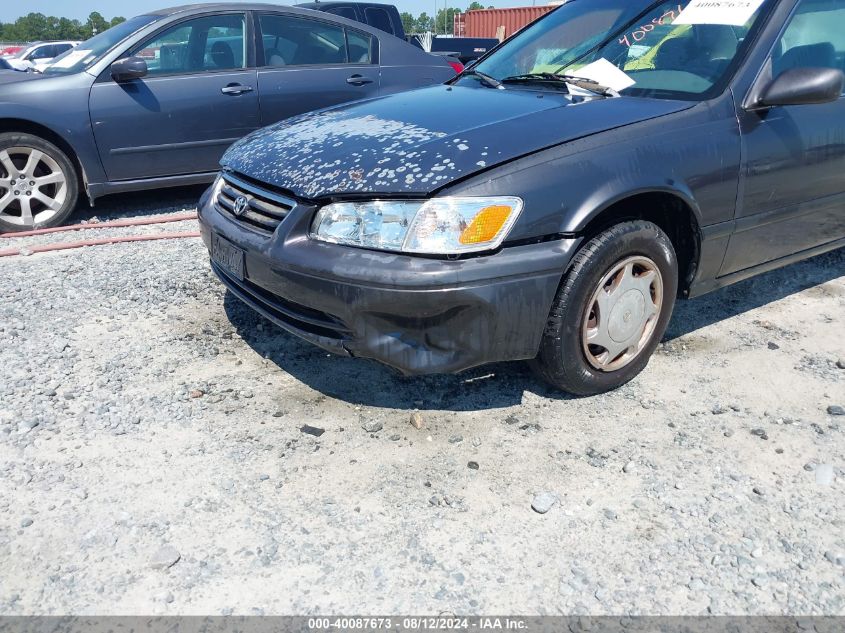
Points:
(197, 99)
(310, 64)
(794, 181)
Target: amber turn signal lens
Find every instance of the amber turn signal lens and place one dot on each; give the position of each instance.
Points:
(485, 225)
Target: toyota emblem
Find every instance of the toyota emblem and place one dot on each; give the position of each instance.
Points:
(241, 203)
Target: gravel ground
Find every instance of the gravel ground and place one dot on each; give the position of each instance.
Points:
(140, 206)
(165, 450)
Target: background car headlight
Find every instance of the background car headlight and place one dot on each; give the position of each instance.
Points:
(439, 226)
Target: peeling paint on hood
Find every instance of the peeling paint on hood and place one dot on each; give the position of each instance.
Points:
(419, 141)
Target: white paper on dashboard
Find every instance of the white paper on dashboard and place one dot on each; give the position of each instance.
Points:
(730, 12)
(606, 74)
(70, 59)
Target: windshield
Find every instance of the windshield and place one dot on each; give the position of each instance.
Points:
(81, 57)
(24, 51)
(672, 50)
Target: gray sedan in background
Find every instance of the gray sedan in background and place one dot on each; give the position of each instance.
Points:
(156, 100)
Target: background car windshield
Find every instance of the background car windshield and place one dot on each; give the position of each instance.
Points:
(647, 41)
(21, 54)
(79, 58)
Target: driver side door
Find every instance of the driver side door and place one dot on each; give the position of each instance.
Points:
(199, 96)
(792, 193)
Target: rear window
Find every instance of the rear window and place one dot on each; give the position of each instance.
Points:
(344, 12)
(379, 18)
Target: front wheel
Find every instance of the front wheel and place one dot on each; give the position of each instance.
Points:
(38, 183)
(610, 311)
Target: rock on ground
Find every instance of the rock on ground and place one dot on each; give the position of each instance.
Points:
(543, 502)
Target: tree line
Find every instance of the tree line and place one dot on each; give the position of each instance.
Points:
(443, 22)
(37, 26)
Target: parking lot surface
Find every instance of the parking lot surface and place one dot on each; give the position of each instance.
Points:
(163, 449)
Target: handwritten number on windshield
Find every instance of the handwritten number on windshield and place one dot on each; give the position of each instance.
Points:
(638, 34)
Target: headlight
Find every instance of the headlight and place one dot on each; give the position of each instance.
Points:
(440, 226)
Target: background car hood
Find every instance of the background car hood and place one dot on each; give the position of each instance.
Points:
(14, 76)
(416, 142)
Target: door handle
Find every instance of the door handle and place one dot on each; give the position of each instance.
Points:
(235, 89)
(358, 80)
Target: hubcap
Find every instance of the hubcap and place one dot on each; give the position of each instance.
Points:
(32, 186)
(622, 313)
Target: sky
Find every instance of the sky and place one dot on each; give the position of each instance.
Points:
(79, 9)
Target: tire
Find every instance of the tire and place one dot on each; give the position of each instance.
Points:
(586, 312)
(37, 176)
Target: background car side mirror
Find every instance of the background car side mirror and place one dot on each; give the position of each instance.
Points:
(803, 86)
(128, 68)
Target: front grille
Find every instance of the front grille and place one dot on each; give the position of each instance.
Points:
(259, 209)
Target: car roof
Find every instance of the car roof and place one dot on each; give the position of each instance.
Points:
(335, 3)
(218, 6)
(40, 42)
(199, 9)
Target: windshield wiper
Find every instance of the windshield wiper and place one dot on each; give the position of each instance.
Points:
(486, 79)
(590, 85)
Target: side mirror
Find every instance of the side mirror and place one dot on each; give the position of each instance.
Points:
(803, 86)
(128, 68)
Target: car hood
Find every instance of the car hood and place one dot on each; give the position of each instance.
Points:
(14, 76)
(417, 142)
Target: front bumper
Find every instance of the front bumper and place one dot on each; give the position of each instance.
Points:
(418, 315)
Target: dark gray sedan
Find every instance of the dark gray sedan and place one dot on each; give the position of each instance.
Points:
(612, 156)
(155, 101)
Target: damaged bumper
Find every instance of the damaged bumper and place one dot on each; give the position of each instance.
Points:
(415, 314)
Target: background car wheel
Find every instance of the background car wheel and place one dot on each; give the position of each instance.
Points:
(610, 311)
(38, 183)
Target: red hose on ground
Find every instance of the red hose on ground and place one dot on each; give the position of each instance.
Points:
(62, 246)
(180, 217)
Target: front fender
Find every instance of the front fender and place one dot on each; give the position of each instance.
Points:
(33, 107)
(617, 192)
(693, 154)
